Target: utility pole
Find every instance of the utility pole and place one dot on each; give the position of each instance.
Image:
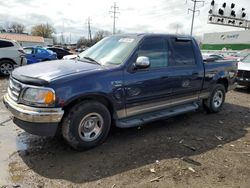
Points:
(70, 38)
(114, 12)
(89, 30)
(193, 12)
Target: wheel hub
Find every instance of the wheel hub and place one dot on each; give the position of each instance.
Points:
(218, 98)
(90, 127)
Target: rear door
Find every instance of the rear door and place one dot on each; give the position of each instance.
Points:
(190, 72)
(42, 54)
(30, 54)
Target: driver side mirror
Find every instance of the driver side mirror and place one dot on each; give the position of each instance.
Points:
(142, 62)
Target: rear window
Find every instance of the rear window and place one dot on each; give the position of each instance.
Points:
(5, 44)
(183, 53)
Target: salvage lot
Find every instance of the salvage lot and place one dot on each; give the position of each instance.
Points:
(195, 149)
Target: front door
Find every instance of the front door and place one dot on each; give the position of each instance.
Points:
(150, 89)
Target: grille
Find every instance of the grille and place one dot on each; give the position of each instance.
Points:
(246, 74)
(14, 89)
(240, 73)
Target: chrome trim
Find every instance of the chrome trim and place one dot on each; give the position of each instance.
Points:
(11, 95)
(22, 89)
(204, 95)
(121, 113)
(14, 89)
(32, 114)
(159, 105)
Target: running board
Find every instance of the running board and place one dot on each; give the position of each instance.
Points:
(153, 116)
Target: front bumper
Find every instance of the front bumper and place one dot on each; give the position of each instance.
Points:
(243, 81)
(39, 121)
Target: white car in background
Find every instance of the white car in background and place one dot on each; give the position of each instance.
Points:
(243, 76)
(11, 55)
(68, 57)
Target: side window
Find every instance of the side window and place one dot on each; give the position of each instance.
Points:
(41, 51)
(5, 44)
(155, 49)
(182, 52)
(28, 50)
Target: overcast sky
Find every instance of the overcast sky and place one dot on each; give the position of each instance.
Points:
(70, 16)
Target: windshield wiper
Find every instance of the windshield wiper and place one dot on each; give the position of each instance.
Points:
(92, 60)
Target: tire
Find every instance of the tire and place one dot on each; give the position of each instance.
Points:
(86, 125)
(6, 67)
(45, 60)
(215, 102)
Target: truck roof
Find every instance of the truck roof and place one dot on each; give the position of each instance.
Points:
(141, 35)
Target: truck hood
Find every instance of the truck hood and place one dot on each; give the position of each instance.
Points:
(43, 72)
(244, 66)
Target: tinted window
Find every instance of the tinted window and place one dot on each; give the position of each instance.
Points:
(156, 50)
(183, 53)
(5, 44)
(53, 49)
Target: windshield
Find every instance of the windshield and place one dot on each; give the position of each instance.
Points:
(111, 50)
(246, 59)
(243, 53)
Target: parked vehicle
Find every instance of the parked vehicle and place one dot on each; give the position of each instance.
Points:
(38, 54)
(11, 56)
(212, 56)
(243, 76)
(59, 52)
(129, 80)
(242, 54)
(68, 57)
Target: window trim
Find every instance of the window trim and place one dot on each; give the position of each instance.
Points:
(165, 38)
(173, 62)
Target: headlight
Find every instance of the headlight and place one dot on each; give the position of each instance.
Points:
(39, 96)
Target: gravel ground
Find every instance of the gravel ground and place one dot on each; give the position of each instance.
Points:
(192, 150)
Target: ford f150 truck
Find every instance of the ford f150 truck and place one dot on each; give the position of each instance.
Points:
(125, 80)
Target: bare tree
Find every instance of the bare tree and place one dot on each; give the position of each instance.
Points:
(43, 30)
(99, 35)
(16, 27)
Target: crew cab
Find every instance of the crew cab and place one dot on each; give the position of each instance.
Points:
(125, 80)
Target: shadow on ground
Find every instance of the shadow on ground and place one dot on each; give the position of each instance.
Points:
(242, 89)
(127, 149)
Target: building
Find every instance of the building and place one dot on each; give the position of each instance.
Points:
(27, 40)
(234, 40)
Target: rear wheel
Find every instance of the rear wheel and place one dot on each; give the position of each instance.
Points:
(6, 67)
(86, 125)
(214, 103)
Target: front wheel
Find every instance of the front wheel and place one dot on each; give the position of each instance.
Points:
(86, 125)
(214, 103)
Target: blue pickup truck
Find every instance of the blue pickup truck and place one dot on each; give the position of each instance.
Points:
(123, 80)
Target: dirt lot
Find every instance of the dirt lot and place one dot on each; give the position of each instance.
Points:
(192, 150)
